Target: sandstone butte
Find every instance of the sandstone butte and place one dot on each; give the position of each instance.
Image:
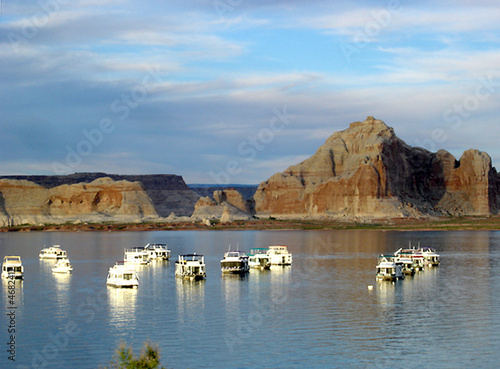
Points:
(25, 202)
(366, 171)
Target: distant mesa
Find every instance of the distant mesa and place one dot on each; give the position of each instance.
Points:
(366, 171)
(25, 202)
(363, 172)
(227, 205)
(93, 197)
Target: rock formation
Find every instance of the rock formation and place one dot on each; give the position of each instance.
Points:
(25, 202)
(168, 192)
(227, 205)
(367, 171)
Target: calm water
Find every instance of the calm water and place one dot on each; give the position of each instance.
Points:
(317, 313)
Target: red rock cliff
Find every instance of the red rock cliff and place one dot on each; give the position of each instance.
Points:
(367, 171)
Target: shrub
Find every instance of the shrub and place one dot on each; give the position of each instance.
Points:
(124, 358)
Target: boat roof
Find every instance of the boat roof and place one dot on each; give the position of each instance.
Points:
(275, 246)
(12, 260)
(259, 251)
(191, 256)
(386, 264)
(121, 265)
(135, 249)
(153, 244)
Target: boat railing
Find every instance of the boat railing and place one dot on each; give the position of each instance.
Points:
(135, 249)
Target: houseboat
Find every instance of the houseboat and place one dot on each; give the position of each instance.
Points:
(407, 264)
(190, 266)
(136, 256)
(235, 262)
(121, 275)
(259, 259)
(62, 266)
(279, 255)
(157, 251)
(388, 269)
(53, 252)
(415, 255)
(431, 258)
(12, 267)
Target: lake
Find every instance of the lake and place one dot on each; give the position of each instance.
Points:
(317, 313)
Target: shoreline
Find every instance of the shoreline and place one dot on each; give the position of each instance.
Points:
(465, 223)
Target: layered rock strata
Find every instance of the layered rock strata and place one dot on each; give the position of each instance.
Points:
(367, 171)
(227, 205)
(168, 192)
(25, 202)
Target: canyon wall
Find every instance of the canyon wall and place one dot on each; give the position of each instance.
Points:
(26, 202)
(168, 193)
(367, 171)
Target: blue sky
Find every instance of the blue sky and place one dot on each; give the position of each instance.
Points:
(237, 90)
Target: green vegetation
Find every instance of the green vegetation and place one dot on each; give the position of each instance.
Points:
(124, 358)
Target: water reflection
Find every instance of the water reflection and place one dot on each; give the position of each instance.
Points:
(190, 298)
(16, 286)
(46, 265)
(122, 305)
(62, 289)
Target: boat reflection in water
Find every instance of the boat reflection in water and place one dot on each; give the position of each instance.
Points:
(190, 302)
(190, 266)
(122, 306)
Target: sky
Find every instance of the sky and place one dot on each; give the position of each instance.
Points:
(233, 91)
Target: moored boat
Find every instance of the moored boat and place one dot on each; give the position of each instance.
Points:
(279, 255)
(12, 267)
(414, 255)
(53, 252)
(407, 264)
(259, 258)
(388, 269)
(190, 266)
(136, 256)
(157, 251)
(235, 262)
(62, 266)
(431, 258)
(123, 276)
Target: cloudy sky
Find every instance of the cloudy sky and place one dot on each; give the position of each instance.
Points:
(233, 91)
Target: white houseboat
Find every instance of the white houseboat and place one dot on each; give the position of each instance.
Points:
(53, 252)
(190, 266)
(388, 269)
(12, 267)
(121, 275)
(279, 255)
(431, 258)
(258, 258)
(235, 262)
(136, 256)
(415, 255)
(407, 264)
(62, 266)
(157, 251)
